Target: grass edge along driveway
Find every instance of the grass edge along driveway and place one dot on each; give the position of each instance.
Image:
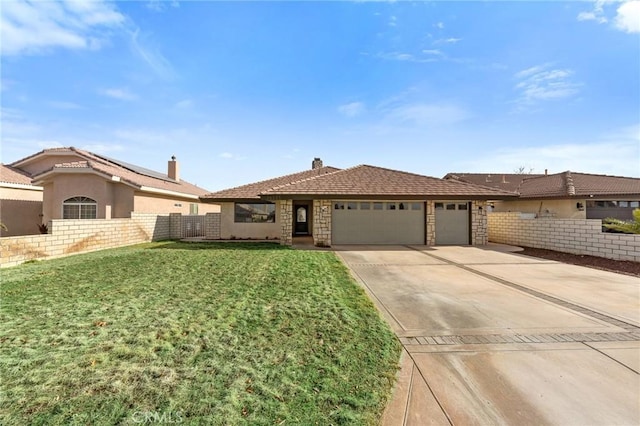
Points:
(192, 333)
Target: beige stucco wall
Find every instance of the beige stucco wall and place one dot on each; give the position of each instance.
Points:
(20, 211)
(150, 203)
(45, 163)
(65, 186)
(229, 229)
(561, 209)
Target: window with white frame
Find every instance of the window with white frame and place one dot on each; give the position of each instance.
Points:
(79, 208)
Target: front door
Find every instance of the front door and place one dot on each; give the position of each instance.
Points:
(301, 222)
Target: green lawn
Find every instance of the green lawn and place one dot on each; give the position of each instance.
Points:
(193, 333)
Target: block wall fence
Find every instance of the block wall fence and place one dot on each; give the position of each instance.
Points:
(576, 236)
(67, 237)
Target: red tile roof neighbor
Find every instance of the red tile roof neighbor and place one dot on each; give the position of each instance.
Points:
(131, 174)
(369, 181)
(570, 184)
(10, 174)
(252, 191)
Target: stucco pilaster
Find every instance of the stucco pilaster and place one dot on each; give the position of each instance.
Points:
(431, 223)
(285, 210)
(322, 223)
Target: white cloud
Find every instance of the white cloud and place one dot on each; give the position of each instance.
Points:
(628, 17)
(405, 57)
(151, 56)
(121, 94)
(422, 114)
(161, 5)
(447, 40)
(352, 109)
(432, 52)
(64, 105)
(226, 155)
(393, 21)
(440, 25)
(38, 26)
(540, 83)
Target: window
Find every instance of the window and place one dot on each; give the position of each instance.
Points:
(79, 208)
(439, 206)
(451, 206)
(365, 206)
(255, 213)
(377, 206)
(401, 206)
(462, 206)
(301, 215)
(352, 206)
(634, 204)
(391, 206)
(416, 206)
(193, 208)
(339, 206)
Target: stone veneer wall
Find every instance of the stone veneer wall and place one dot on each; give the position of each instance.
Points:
(68, 237)
(285, 208)
(322, 223)
(576, 236)
(431, 223)
(479, 234)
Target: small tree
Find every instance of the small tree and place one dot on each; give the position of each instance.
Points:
(628, 227)
(522, 170)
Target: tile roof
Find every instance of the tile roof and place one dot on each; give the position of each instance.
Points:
(111, 167)
(373, 181)
(252, 191)
(505, 181)
(569, 184)
(9, 174)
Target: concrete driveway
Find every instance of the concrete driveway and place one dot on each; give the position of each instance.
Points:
(493, 337)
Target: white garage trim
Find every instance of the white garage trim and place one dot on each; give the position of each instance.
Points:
(452, 222)
(378, 222)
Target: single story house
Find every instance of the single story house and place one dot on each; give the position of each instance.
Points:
(78, 184)
(20, 203)
(359, 205)
(566, 195)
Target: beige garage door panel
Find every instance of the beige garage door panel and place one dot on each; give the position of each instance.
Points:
(385, 226)
(452, 222)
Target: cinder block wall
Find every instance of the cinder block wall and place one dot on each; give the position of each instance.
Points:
(576, 236)
(68, 237)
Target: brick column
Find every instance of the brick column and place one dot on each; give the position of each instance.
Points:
(175, 220)
(431, 223)
(322, 223)
(479, 228)
(285, 210)
(212, 226)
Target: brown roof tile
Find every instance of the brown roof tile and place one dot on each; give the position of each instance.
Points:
(114, 168)
(373, 181)
(505, 181)
(252, 191)
(10, 174)
(568, 184)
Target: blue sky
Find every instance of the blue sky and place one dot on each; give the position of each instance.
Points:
(242, 91)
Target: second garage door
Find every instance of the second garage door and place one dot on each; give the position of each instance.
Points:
(452, 223)
(378, 222)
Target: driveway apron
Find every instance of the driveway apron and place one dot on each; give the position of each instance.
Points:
(492, 337)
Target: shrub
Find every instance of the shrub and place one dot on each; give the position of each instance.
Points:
(627, 227)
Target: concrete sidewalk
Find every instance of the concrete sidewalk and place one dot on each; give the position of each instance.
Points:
(498, 338)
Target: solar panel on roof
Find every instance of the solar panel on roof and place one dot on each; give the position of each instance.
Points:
(137, 169)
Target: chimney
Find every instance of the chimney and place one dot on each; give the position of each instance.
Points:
(174, 169)
(546, 171)
(316, 164)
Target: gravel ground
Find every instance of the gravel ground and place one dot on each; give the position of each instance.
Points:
(619, 266)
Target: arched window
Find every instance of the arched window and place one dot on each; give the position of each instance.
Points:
(79, 208)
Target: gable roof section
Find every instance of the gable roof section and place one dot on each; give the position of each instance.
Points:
(252, 191)
(9, 174)
(505, 181)
(138, 177)
(370, 181)
(570, 184)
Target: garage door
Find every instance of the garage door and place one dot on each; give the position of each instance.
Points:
(452, 222)
(369, 222)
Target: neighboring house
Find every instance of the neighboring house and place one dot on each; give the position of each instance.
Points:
(78, 184)
(563, 195)
(20, 203)
(359, 205)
